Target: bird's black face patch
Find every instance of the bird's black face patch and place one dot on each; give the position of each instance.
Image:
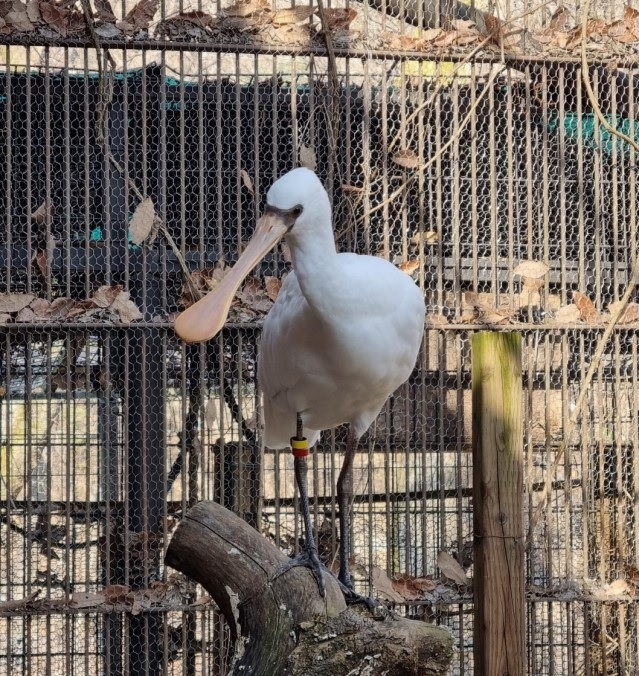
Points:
(288, 216)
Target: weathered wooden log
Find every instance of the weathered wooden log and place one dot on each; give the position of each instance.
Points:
(279, 622)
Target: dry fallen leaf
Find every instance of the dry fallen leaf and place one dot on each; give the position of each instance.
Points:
(384, 586)
(531, 269)
(587, 310)
(406, 158)
(126, 308)
(55, 17)
(104, 11)
(616, 29)
(105, 295)
(245, 8)
(616, 588)
(291, 15)
(86, 599)
(339, 18)
(117, 593)
(631, 19)
(428, 237)
(403, 585)
(409, 267)
(273, 286)
(308, 158)
(630, 314)
(451, 569)
(142, 14)
(246, 179)
(142, 221)
(33, 11)
(559, 20)
(567, 314)
(19, 20)
(14, 302)
(433, 320)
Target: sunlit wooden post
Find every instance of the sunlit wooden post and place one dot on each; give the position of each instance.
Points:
(500, 604)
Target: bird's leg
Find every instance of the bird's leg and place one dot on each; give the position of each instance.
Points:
(299, 445)
(344, 499)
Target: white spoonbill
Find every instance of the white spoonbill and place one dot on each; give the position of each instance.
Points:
(342, 336)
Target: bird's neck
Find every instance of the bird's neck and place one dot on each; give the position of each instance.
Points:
(315, 262)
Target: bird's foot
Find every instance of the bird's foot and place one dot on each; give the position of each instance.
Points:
(377, 610)
(307, 559)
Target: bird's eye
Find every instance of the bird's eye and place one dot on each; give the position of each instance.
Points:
(296, 212)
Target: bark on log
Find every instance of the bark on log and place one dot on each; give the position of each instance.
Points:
(279, 622)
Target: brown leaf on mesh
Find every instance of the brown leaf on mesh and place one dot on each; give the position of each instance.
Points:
(429, 237)
(384, 586)
(587, 310)
(412, 588)
(142, 14)
(630, 314)
(292, 15)
(451, 569)
(105, 295)
(631, 19)
(14, 302)
(467, 38)
(273, 286)
(567, 314)
(86, 599)
(559, 20)
(42, 261)
(19, 20)
(532, 269)
(26, 315)
(339, 18)
(142, 221)
(308, 158)
(617, 29)
(596, 27)
(406, 158)
(4, 318)
(33, 11)
(409, 267)
(434, 320)
(55, 17)
(447, 39)
(117, 593)
(409, 43)
(245, 8)
(126, 308)
(246, 180)
(104, 11)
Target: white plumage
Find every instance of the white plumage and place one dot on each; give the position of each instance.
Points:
(343, 334)
(336, 357)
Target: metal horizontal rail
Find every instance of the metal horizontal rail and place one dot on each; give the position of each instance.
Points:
(516, 60)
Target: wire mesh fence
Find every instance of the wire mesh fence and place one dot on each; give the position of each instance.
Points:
(490, 180)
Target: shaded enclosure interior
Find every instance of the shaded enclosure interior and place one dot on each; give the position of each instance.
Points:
(110, 429)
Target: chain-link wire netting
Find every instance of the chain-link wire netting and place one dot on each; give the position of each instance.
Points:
(480, 166)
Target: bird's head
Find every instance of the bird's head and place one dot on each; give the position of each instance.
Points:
(295, 203)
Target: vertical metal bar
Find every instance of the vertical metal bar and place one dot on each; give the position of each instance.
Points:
(474, 195)
(583, 233)
(494, 219)
(68, 172)
(530, 173)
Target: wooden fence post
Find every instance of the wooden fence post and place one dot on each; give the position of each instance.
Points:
(500, 603)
